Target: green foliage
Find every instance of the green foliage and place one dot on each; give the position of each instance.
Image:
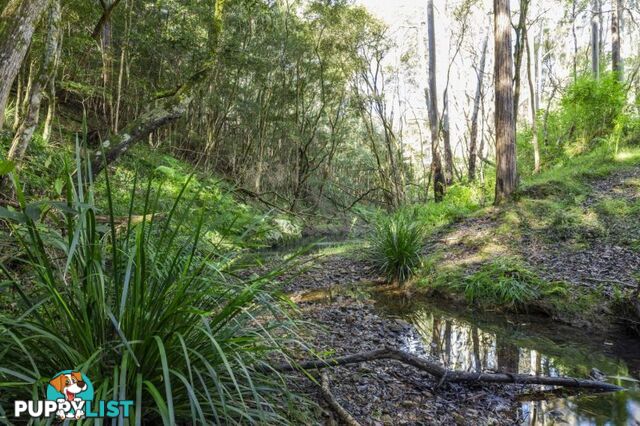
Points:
(142, 310)
(230, 223)
(505, 282)
(590, 108)
(564, 224)
(570, 178)
(395, 245)
(460, 201)
(590, 115)
(6, 167)
(573, 223)
(396, 242)
(616, 207)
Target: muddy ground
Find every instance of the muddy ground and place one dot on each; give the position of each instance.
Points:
(382, 392)
(389, 393)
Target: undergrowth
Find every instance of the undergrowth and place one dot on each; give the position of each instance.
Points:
(143, 308)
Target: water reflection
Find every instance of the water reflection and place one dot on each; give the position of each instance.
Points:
(489, 344)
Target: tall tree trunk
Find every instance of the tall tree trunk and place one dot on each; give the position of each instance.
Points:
(27, 89)
(519, 51)
(473, 139)
(506, 172)
(539, 62)
(105, 44)
(123, 57)
(51, 93)
(534, 112)
(28, 126)
(439, 183)
(595, 40)
(446, 139)
(106, 49)
(575, 40)
(616, 57)
(19, 22)
(601, 28)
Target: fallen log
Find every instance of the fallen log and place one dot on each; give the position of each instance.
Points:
(445, 375)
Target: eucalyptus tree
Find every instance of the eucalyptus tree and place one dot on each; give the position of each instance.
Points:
(439, 181)
(169, 106)
(596, 11)
(533, 106)
(617, 10)
(17, 24)
(519, 48)
(506, 172)
(473, 151)
(377, 116)
(25, 131)
(278, 105)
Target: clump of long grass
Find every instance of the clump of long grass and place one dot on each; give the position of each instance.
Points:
(504, 282)
(395, 245)
(143, 310)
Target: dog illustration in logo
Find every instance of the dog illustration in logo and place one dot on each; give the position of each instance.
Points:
(69, 385)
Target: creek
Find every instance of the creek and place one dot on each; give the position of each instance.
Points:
(528, 344)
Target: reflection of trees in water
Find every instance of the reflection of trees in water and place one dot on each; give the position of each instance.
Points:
(475, 340)
(464, 346)
(456, 344)
(508, 355)
(436, 341)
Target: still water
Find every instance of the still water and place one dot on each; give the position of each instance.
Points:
(523, 344)
(529, 345)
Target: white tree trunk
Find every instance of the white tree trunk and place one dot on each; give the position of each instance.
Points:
(21, 21)
(28, 126)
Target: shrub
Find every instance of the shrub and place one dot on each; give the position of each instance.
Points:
(141, 310)
(591, 107)
(395, 245)
(590, 114)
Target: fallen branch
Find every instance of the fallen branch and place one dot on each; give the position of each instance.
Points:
(448, 376)
(334, 404)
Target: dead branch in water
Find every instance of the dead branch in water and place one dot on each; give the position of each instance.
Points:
(445, 375)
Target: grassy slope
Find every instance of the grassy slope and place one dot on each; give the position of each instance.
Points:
(569, 225)
(232, 223)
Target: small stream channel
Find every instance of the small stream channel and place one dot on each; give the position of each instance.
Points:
(520, 344)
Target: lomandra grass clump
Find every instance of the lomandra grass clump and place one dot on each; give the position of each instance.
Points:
(143, 310)
(504, 282)
(395, 246)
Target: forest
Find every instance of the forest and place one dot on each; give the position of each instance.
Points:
(320, 212)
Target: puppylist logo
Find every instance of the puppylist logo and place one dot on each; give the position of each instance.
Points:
(70, 396)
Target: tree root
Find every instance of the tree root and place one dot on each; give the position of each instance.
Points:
(445, 375)
(334, 404)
